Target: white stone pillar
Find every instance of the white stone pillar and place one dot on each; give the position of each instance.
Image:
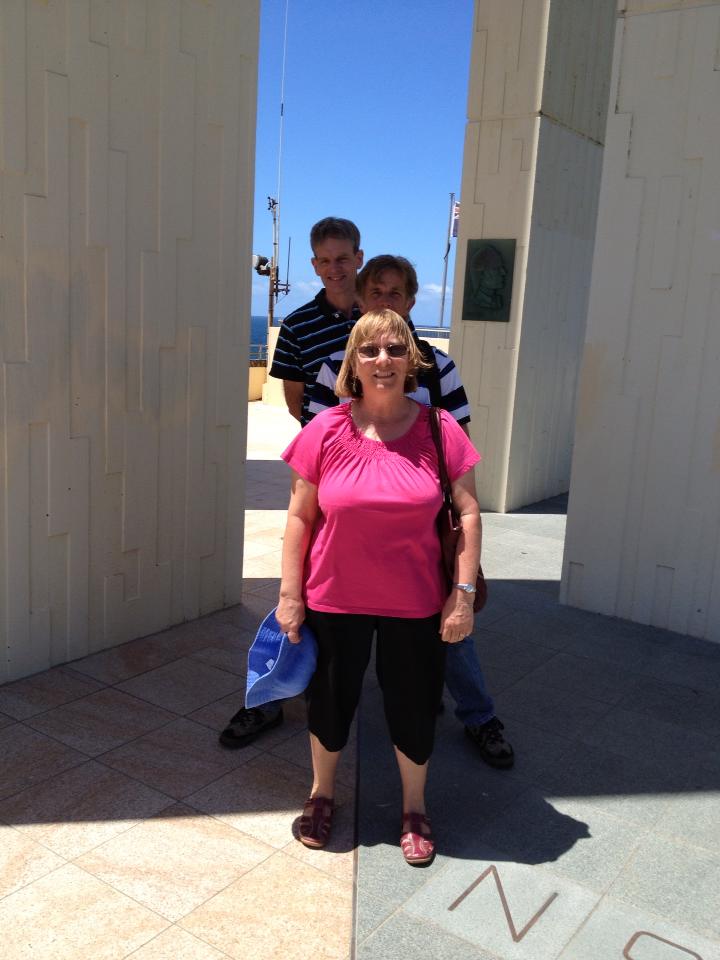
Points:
(127, 152)
(536, 113)
(643, 534)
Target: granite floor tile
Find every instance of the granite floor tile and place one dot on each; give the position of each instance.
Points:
(69, 915)
(546, 629)
(694, 818)
(696, 672)
(178, 759)
(265, 587)
(128, 660)
(266, 566)
(383, 877)
(101, 722)
(187, 638)
(614, 930)
(43, 691)
(183, 685)
(673, 880)
(28, 757)
(639, 737)
(217, 714)
(75, 811)
(6, 721)
(370, 913)
(337, 857)
(249, 614)
(177, 944)
(231, 661)
(311, 919)
(411, 938)
(174, 862)
(609, 642)
(572, 839)
(516, 657)
(552, 711)
(534, 830)
(583, 677)
(22, 860)
(625, 788)
(541, 909)
(695, 710)
(263, 798)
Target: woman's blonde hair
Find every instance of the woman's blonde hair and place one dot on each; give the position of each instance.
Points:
(371, 325)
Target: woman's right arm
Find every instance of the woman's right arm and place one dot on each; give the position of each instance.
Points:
(302, 513)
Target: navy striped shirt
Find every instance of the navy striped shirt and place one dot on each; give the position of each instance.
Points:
(453, 397)
(307, 338)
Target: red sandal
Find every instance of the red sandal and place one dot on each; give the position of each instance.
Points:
(417, 847)
(315, 822)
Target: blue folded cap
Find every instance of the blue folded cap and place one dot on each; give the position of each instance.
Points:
(278, 669)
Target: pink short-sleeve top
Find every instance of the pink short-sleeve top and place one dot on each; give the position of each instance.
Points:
(375, 548)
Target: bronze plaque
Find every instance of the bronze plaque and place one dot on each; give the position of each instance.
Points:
(489, 271)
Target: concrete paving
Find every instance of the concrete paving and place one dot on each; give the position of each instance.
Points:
(126, 831)
(603, 841)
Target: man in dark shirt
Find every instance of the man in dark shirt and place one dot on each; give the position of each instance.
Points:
(312, 332)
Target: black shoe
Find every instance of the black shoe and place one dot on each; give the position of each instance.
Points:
(494, 748)
(247, 725)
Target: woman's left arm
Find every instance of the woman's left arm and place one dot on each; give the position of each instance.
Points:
(456, 620)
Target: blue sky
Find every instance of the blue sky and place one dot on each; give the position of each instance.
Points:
(375, 109)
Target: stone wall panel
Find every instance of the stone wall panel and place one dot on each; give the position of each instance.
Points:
(126, 151)
(653, 317)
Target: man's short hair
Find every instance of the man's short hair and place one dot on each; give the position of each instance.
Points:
(387, 261)
(334, 228)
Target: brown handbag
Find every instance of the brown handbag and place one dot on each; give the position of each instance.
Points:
(448, 522)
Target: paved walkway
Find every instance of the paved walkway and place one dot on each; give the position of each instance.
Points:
(603, 842)
(125, 831)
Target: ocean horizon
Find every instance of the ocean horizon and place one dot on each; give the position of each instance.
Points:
(258, 329)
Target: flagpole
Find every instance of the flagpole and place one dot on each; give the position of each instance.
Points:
(445, 258)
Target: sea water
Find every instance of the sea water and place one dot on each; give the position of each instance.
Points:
(258, 330)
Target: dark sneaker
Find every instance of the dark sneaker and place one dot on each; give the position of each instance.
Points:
(494, 748)
(247, 725)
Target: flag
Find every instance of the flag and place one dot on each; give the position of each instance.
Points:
(455, 219)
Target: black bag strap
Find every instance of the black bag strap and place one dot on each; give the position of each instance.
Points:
(445, 485)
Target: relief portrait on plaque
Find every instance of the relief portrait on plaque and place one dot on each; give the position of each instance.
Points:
(489, 271)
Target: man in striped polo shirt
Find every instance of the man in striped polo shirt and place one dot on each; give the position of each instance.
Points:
(390, 281)
(318, 328)
(310, 342)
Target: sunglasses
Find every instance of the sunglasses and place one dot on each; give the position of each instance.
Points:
(371, 351)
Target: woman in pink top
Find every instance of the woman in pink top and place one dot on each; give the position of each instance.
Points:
(361, 556)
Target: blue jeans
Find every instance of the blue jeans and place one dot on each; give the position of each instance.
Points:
(466, 683)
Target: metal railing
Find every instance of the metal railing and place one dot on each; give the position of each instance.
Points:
(437, 333)
(258, 353)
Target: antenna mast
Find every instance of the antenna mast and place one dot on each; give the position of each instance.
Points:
(445, 258)
(276, 287)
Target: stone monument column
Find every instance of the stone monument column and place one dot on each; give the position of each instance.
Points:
(537, 104)
(643, 532)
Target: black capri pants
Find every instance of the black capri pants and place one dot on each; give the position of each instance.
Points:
(410, 666)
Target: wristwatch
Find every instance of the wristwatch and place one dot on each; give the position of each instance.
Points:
(466, 587)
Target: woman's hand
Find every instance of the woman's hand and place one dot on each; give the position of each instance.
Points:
(456, 619)
(290, 614)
